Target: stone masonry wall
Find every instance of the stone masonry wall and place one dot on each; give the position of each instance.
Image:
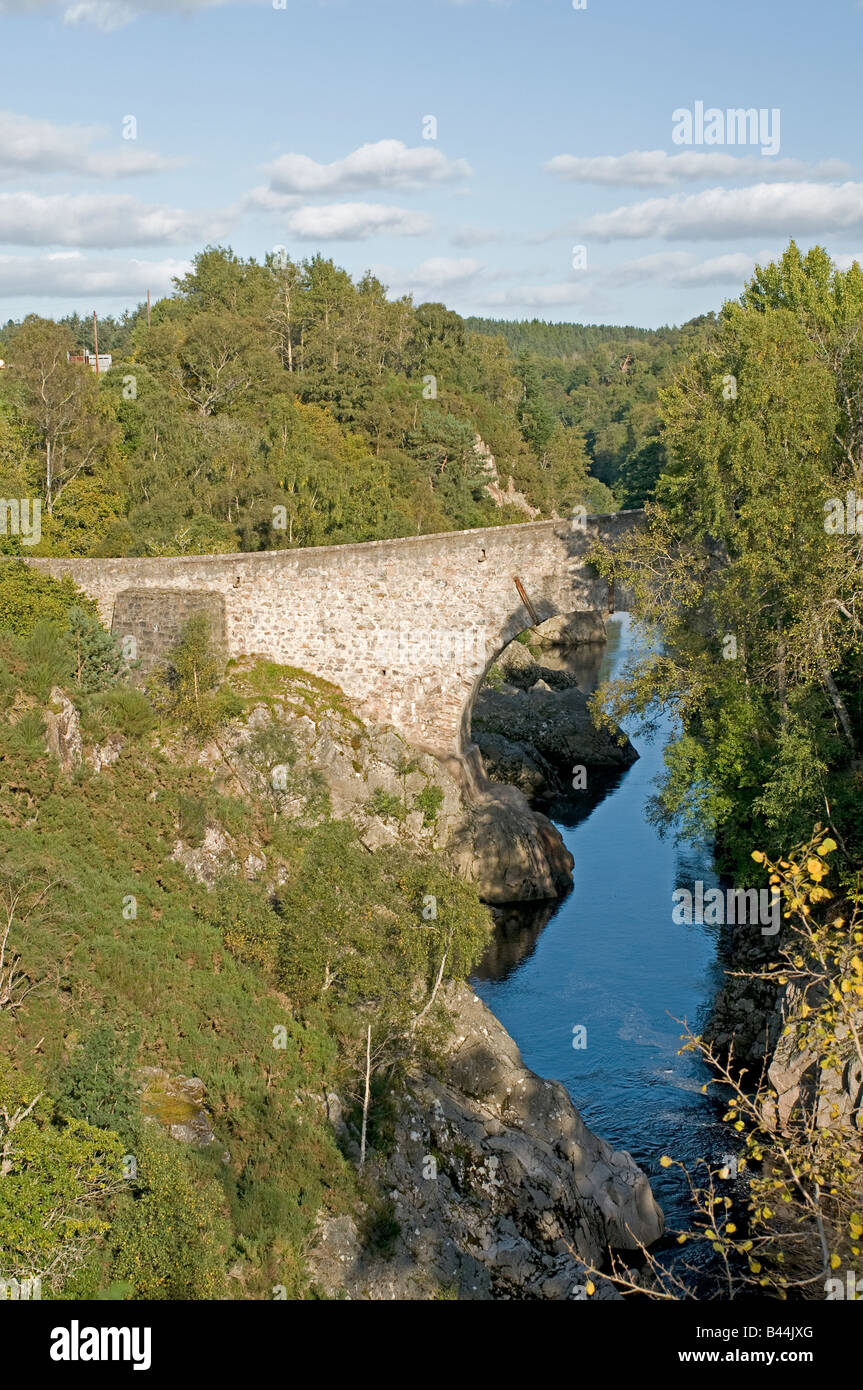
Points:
(406, 627)
(156, 618)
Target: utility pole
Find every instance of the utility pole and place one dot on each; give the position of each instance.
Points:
(96, 341)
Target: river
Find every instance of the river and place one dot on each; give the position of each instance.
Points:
(609, 959)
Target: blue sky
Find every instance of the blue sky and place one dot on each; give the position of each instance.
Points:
(303, 127)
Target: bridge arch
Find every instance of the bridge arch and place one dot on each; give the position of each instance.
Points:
(408, 628)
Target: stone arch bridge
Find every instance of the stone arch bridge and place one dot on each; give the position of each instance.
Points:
(407, 627)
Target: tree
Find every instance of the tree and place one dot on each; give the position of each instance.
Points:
(58, 401)
(97, 659)
(186, 684)
(28, 597)
(757, 602)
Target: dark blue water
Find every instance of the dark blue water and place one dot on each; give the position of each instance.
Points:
(609, 958)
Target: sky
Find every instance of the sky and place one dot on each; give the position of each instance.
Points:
(510, 158)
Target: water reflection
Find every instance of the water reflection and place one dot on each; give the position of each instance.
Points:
(609, 959)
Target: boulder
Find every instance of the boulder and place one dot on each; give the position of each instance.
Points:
(570, 630)
(177, 1104)
(517, 665)
(509, 851)
(551, 732)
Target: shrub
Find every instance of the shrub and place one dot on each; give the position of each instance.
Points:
(56, 1176)
(127, 710)
(386, 804)
(28, 597)
(169, 1236)
(429, 801)
(98, 1083)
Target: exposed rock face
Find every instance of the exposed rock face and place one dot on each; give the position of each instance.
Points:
(835, 1093)
(569, 630)
(62, 731)
(392, 793)
(498, 1187)
(535, 737)
(509, 851)
(106, 754)
(210, 859)
(508, 497)
(177, 1104)
(751, 1015)
(511, 497)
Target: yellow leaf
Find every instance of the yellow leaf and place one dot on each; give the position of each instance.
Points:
(835, 1262)
(827, 846)
(665, 1161)
(590, 1287)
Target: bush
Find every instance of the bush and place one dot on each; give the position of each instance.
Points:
(386, 804)
(98, 1084)
(52, 1195)
(29, 597)
(127, 710)
(429, 801)
(170, 1234)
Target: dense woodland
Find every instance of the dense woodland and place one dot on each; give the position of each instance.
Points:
(290, 386)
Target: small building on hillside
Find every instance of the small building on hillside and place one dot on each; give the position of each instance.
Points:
(86, 358)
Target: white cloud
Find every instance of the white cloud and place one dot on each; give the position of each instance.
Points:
(106, 15)
(683, 270)
(542, 296)
(782, 209)
(73, 276)
(263, 199)
(437, 272)
(386, 164)
(29, 146)
(436, 275)
(355, 222)
(844, 262)
(100, 220)
(655, 167)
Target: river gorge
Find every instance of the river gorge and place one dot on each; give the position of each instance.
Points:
(594, 988)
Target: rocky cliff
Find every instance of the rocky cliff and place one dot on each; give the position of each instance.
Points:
(495, 1186)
